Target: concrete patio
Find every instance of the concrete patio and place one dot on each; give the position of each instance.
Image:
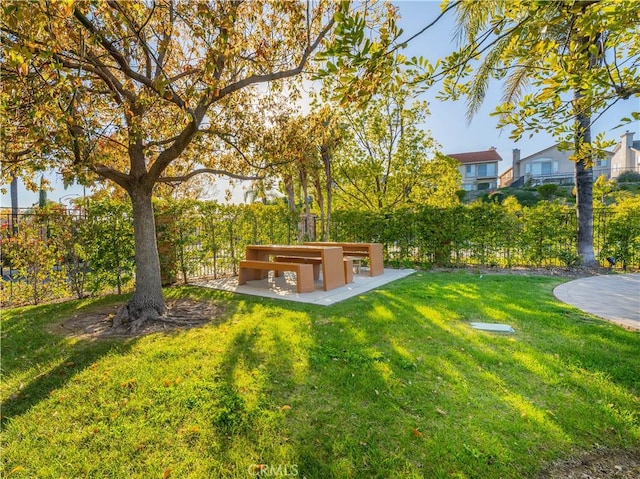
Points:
(284, 287)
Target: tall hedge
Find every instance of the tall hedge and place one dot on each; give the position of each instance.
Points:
(57, 253)
(492, 234)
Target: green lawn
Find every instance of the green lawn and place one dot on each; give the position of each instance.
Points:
(394, 383)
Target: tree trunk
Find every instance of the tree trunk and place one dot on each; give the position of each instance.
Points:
(147, 302)
(326, 160)
(584, 191)
(584, 201)
(14, 205)
(305, 191)
(288, 186)
(584, 167)
(320, 199)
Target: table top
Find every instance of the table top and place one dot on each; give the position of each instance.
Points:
(334, 243)
(283, 247)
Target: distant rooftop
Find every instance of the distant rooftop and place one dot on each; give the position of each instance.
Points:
(477, 156)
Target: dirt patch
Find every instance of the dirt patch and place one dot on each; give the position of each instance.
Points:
(598, 464)
(181, 314)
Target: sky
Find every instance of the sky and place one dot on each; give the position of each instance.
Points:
(447, 122)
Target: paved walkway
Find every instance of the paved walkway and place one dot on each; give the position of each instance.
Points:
(613, 297)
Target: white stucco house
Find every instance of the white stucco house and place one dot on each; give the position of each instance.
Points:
(551, 165)
(626, 155)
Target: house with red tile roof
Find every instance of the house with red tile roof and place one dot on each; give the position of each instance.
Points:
(479, 169)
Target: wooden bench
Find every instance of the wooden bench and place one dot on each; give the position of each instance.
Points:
(253, 269)
(348, 269)
(314, 261)
(371, 251)
(317, 263)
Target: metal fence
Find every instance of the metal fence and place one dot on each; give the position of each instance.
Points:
(42, 224)
(490, 235)
(57, 253)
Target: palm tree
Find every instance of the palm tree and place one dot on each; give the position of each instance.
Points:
(501, 31)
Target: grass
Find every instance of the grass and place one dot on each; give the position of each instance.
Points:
(393, 383)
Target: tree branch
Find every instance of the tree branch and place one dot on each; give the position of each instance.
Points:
(122, 62)
(116, 176)
(413, 37)
(160, 142)
(280, 74)
(173, 179)
(137, 30)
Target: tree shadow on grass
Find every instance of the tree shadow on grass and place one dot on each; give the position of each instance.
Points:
(392, 383)
(57, 372)
(388, 416)
(61, 340)
(37, 361)
(396, 383)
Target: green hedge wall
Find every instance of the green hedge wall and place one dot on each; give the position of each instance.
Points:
(56, 253)
(491, 234)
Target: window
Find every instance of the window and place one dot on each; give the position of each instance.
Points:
(486, 170)
(470, 171)
(542, 167)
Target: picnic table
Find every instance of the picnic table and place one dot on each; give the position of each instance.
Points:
(259, 262)
(372, 251)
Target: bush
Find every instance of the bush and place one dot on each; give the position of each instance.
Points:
(525, 196)
(622, 239)
(110, 244)
(35, 259)
(549, 234)
(549, 191)
(629, 177)
(48, 256)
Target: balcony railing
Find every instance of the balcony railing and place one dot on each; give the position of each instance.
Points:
(568, 177)
(618, 170)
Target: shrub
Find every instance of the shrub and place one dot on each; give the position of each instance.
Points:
(35, 258)
(622, 238)
(548, 234)
(629, 177)
(110, 244)
(441, 233)
(526, 197)
(548, 191)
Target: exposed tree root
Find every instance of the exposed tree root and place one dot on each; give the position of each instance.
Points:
(108, 322)
(135, 315)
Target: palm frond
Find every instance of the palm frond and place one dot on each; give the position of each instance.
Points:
(517, 81)
(483, 76)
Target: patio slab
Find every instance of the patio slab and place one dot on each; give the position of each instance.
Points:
(284, 287)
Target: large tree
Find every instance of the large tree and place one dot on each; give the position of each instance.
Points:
(578, 57)
(557, 52)
(144, 92)
(383, 159)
